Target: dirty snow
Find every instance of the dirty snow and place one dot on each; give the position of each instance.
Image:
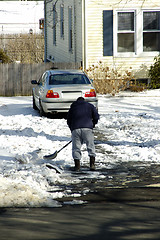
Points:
(128, 130)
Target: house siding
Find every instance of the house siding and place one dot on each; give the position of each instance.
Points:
(88, 35)
(94, 34)
(59, 52)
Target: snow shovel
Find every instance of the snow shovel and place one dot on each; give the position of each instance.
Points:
(54, 155)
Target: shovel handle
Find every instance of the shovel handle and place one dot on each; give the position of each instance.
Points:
(54, 155)
(64, 146)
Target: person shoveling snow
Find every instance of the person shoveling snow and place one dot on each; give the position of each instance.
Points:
(81, 119)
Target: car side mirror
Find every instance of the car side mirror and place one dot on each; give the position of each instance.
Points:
(34, 82)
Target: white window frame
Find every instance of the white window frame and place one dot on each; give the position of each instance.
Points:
(138, 36)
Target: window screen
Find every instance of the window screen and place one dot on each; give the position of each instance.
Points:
(126, 32)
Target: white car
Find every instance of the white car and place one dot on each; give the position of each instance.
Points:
(57, 89)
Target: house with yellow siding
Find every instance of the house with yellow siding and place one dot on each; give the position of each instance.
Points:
(119, 33)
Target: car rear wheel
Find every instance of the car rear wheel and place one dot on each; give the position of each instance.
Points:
(34, 105)
(41, 111)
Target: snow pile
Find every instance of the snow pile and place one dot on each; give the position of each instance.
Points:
(18, 193)
(128, 130)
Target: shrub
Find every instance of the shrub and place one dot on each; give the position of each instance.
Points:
(26, 48)
(154, 73)
(107, 80)
(3, 57)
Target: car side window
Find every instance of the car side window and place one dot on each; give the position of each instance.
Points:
(42, 79)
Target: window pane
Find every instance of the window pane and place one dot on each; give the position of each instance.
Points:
(151, 41)
(62, 20)
(70, 29)
(60, 79)
(54, 27)
(126, 21)
(126, 42)
(151, 21)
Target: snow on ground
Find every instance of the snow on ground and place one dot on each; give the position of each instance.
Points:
(128, 130)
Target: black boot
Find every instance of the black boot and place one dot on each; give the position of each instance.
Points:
(77, 164)
(92, 163)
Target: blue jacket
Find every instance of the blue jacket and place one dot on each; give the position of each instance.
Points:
(82, 115)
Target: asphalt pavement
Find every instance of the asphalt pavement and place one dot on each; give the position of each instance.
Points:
(123, 205)
(112, 213)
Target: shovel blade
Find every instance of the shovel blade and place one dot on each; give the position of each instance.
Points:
(51, 156)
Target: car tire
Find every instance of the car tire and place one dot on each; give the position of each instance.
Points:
(41, 111)
(34, 105)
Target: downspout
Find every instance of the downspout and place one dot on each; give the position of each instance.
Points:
(45, 35)
(75, 34)
(84, 34)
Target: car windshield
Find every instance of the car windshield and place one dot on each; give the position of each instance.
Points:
(59, 79)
